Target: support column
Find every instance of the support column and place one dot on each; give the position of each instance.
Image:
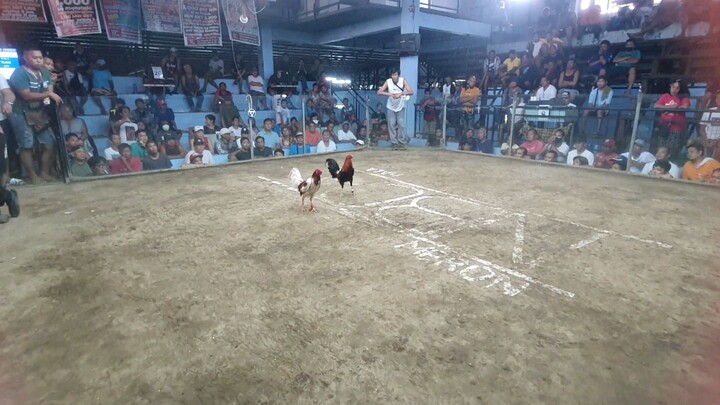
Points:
(409, 24)
(265, 53)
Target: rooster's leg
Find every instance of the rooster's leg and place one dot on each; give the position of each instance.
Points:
(302, 203)
(352, 188)
(312, 207)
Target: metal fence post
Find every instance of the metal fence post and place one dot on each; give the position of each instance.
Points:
(251, 114)
(302, 99)
(369, 125)
(636, 122)
(512, 126)
(444, 124)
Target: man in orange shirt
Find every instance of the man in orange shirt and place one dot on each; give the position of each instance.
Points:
(312, 135)
(699, 167)
(468, 98)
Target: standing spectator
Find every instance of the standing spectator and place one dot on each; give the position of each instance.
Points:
(546, 91)
(570, 77)
(102, 85)
(243, 153)
(427, 105)
(164, 113)
(547, 20)
(604, 159)
(558, 146)
(625, 63)
(113, 151)
(533, 145)
(191, 88)
(143, 114)
(262, 151)
(673, 124)
(215, 70)
(346, 109)
(468, 98)
(226, 143)
(580, 151)
(662, 155)
(79, 166)
(155, 160)
(709, 130)
(301, 75)
(70, 124)
(198, 147)
(601, 61)
(699, 167)
(7, 99)
(327, 145)
(398, 91)
(171, 66)
(139, 148)
(33, 88)
(257, 89)
(126, 163)
(448, 88)
(667, 12)
(228, 112)
(220, 95)
(600, 98)
(637, 157)
(74, 83)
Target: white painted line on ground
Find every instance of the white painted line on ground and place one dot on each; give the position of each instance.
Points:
(588, 241)
(517, 255)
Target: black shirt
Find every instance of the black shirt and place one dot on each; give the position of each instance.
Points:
(264, 152)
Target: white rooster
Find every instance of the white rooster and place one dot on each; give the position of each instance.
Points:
(306, 188)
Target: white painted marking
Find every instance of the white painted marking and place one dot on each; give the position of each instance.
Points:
(588, 241)
(517, 255)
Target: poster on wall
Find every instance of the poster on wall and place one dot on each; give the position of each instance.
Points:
(201, 22)
(22, 10)
(75, 17)
(122, 20)
(162, 16)
(241, 21)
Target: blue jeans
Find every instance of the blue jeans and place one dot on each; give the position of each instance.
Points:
(197, 106)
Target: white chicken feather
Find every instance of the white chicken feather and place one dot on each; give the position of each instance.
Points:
(307, 188)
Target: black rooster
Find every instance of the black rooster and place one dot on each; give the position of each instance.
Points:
(344, 175)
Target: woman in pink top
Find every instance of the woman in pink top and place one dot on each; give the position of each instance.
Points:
(673, 124)
(533, 145)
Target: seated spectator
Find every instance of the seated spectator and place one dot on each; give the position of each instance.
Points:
(709, 130)
(124, 125)
(155, 160)
(70, 124)
(604, 159)
(667, 12)
(673, 124)
(557, 145)
(196, 160)
(546, 91)
(535, 46)
(102, 85)
(533, 145)
(551, 156)
(282, 112)
(210, 128)
(191, 88)
(215, 70)
(286, 137)
(272, 139)
(115, 112)
(637, 157)
(491, 65)
(220, 96)
(236, 127)
(79, 166)
(276, 83)
(345, 135)
(279, 153)
(591, 21)
(513, 63)
(139, 148)
(228, 111)
(312, 135)
(299, 147)
(362, 133)
(143, 114)
(166, 114)
(198, 147)
(256, 85)
(126, 163)
(699, 167)
(262, 151)
(715, 179)
(72, 141)
(529, 79)
(601, 61)
(359, 144)
(580, 150)
(625, 63)
(600, 98)
(570, 77)
(165, 132)
(484, 145)
(521, 153)
(326, 145)
(619, 164)
(467, 141)
(198, 132)
(661, 169)
(580, 161)
(74, 83)
(99, 166)
(243, 153)
(171, 146)
(226, 143)
(662, 155)
(113, 151)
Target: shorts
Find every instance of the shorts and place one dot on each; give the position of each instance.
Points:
(617, 71)
(26, 137)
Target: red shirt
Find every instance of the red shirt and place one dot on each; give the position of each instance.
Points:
(313, 138)
(675, 120)
(602, 160)
(534, 148)
(222, 93)
(118, 167)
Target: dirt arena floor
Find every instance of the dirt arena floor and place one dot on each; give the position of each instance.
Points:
(448, 278)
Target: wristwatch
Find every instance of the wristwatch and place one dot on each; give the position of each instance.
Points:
(9, 102)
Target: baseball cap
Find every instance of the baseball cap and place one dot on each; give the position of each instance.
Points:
(299, 134)
(640, 142)
(198, 141)
(224, 131)
(621, 160)
(195, 156)
(609, 143)
(100, 62)
(199, 128)
(359, 142)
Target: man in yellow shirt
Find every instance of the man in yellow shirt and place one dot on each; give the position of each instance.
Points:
(468, 98)
(699, 167)
(513, 63)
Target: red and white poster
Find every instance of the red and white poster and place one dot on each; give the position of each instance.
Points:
(122, 20)
(75, 17)
(162, 16)
(22, 10)
(241, 20)
(201, 22)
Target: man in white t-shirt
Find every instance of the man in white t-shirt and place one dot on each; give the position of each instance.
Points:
(709, 130)
(663, 155)
(326, 145)
(398, 92)
(199, 149)
(558, 145)
(546, 91)
(257, 89)
(283, 113)
(345, 134)
(580, 150)
(113, 152)
(638, 158)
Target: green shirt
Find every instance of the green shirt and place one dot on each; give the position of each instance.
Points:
(80, 170)
(634, 54)
(138, 151)
(22, 79)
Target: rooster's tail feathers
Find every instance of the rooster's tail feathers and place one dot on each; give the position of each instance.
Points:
(295, 177)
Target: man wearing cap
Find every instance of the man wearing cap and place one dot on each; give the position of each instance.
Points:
(580, 150)
(604, 158)
(198, 147)
(198, 132)
(102, 85)
(226, 143)
(164, 113)
(398, 91)
(638, 158)
(298, 147)
(662, 155)
(345, 134)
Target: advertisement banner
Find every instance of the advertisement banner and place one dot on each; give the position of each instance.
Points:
(75, 17)
(122, 20)
(162, 16)
(201, 22)
(22, 10)
(242, 21)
